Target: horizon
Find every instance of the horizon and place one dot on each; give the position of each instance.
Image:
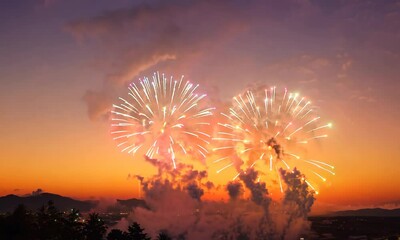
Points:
(325, 210)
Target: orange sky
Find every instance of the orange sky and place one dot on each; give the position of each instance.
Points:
(82, 161)
(51, 61)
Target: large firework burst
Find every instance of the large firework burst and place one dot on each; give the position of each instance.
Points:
(267, 130)
(161, 118)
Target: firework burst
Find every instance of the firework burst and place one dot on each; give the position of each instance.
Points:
(268, 130)
(162, 118)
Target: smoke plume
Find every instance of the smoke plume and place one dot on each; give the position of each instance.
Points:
(175, 203)
(234, 190)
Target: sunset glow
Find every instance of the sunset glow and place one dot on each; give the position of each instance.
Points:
(65, 63)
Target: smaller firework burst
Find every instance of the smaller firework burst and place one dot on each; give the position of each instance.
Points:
(268, 130)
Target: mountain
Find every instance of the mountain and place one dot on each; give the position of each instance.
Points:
(133, 203)
(10, 202)
(368, 212)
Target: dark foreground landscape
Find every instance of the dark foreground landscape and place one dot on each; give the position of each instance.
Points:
(50, 216)
(355, 227)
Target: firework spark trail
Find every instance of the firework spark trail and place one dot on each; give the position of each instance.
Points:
(162, 117)
(267, 130)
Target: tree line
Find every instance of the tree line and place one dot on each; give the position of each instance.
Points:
(48, 223)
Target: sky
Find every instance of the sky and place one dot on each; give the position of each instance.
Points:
(63, 63)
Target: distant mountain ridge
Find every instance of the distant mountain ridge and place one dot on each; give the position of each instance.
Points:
(9, 202)
(33, 202)
(133, 203)
(368, 212)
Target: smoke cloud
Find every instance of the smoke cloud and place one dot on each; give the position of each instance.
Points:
(297, 203)
(258, 190)
(174, 200)
(234, 190)
(194, 191)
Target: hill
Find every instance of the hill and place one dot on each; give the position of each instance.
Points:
(368, 212)
(10, 202)
(133, 203)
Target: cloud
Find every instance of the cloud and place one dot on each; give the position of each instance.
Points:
(151, 34)
(98, 104)
(295, 42)
(363, 95)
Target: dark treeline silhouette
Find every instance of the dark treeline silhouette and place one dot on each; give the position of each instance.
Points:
(48, 223)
